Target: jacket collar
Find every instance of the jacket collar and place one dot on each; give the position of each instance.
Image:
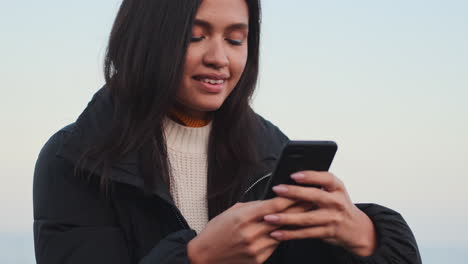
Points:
(95, 124)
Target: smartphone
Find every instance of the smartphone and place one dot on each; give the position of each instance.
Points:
(300, 156)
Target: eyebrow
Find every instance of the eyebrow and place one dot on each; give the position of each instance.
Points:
(209, 27)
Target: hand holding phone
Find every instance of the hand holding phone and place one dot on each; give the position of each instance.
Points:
(300, 156)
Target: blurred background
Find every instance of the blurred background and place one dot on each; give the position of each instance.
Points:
(387, 80)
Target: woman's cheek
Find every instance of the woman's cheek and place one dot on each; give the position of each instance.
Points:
(241, 62)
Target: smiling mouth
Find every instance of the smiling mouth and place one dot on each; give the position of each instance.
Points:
(209, 80)
(211, 84)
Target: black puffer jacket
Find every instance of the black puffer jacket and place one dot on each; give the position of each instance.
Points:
(74, 222)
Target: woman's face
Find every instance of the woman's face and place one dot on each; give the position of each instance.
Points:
(216, 56)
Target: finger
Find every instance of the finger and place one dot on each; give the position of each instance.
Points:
(322, 178)
(237, 205)
(313, 195)
(322, 232)
(263, 227)
(241, 204)
(255, 233)
(260, 228)
(311, 218)
(256, 210)
(263, 243)
(300, 208)
(262, 258)
(267, 251)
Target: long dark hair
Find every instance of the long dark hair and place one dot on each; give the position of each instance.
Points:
(143, 70)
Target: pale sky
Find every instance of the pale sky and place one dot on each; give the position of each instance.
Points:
(387, 80)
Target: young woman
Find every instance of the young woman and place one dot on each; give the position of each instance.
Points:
(155, 168)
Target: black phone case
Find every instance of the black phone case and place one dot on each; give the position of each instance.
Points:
(299, 156)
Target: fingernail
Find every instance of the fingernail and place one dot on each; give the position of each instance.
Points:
(271, 218)
(276, 234)
(298, 176)
(280, 189)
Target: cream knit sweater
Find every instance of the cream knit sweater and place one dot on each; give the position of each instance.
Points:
(187, 150)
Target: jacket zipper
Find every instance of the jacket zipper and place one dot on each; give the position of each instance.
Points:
(177, 213)
(183, 224)
(255, 183)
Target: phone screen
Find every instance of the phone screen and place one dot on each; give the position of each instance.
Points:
(300, 156)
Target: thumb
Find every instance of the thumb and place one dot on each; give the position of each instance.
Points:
(237, 205)
(241, 204)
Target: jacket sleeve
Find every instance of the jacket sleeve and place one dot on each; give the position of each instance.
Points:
(74, 221)
(395, 241)
(395, 244)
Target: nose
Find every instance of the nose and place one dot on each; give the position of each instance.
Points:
(216, 56)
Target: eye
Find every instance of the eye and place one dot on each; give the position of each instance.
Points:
(235, 42)
(197, 39)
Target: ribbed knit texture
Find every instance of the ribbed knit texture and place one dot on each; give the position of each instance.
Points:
(187, 149)
(187, 120)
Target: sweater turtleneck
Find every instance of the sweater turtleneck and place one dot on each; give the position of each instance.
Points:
(187, 120)
(187, 149)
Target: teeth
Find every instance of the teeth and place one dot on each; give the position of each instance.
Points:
(213, 81)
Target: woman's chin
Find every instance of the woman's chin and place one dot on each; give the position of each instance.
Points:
(210, 106)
